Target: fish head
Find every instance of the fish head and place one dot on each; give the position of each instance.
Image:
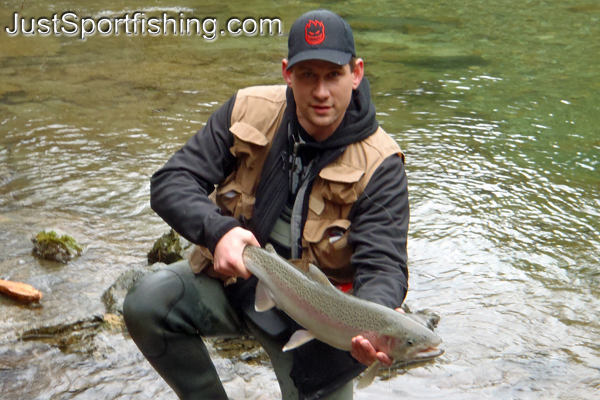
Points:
(409, 341)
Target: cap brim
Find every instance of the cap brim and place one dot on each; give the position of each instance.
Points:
(333, 56)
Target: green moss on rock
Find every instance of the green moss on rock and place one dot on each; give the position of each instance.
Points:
(52, 246)
(168, 249)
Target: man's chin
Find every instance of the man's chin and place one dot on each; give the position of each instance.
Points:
(322, 121)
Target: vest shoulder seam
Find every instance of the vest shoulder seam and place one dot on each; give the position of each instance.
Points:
(385, 142)
(270, 93)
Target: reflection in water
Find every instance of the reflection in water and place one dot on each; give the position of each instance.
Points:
(494, 104)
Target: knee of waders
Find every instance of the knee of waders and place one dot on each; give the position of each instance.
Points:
(146, 310)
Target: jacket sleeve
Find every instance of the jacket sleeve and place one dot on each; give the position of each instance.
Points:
(179, 191)
(379, 235)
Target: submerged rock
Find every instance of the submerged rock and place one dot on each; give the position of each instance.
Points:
(69, 337)
(170, 248)
(56, 246)
(113, 296)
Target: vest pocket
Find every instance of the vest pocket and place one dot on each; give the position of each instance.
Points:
(232, 200)
(339, 183)
(249, 143)
(199, 259)
(325, 235)
(327, 246)
(229, 197)
(202, 262)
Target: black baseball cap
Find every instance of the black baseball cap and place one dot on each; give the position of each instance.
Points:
(320, 35)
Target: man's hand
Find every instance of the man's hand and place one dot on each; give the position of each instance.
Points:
(364, 351)
(228, 253)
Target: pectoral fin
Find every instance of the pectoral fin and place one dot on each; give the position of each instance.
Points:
(263, 300)
(299, 337)
(369, 375)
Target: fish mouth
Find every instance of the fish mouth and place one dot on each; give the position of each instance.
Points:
(428, 353)
(419, 357)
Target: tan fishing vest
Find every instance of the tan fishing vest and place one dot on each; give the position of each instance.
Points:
(255, 119)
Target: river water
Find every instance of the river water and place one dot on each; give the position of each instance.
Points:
(495, 104)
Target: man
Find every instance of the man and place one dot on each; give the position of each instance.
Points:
(304, 167)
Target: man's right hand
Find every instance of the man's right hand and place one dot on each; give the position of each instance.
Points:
(228, 253)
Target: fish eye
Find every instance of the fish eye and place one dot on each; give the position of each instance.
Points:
(410, 342)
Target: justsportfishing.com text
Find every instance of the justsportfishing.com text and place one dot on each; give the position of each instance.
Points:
(137, 23)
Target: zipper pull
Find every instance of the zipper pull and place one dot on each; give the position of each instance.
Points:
(296, 145)
(285, 160)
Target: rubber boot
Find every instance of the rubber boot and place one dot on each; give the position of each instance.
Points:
(166, 314)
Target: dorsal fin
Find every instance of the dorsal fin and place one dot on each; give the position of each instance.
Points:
(299, 264)
(317, 275)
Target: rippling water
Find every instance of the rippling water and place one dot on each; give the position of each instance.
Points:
(496, 106)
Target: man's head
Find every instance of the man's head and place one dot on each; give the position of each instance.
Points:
(320, 35)
(322, 70)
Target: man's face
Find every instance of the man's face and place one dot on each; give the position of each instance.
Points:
(322, 91)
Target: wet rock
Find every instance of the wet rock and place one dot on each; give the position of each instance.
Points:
(56, 246)
(115, 370)
(240, 349)
(424, 317)
(113, 296)
(170, 248)
(76, 337)
(114, 323)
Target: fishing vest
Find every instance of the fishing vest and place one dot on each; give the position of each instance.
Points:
(256, 116)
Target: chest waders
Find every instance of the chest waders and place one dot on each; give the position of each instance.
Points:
(168, 312)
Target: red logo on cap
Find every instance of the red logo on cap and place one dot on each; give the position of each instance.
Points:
(314, 32)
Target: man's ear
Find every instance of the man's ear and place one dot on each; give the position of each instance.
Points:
(287, 74)
(359, 72)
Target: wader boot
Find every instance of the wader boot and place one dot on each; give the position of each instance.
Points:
(166, 314)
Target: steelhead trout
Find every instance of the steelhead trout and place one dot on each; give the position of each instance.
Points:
(332, 316)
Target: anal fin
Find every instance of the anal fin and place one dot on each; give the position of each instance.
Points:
(299, 337)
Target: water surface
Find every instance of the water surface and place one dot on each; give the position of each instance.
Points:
(495, 105)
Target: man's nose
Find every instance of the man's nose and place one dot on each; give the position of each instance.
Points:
(321, 91)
